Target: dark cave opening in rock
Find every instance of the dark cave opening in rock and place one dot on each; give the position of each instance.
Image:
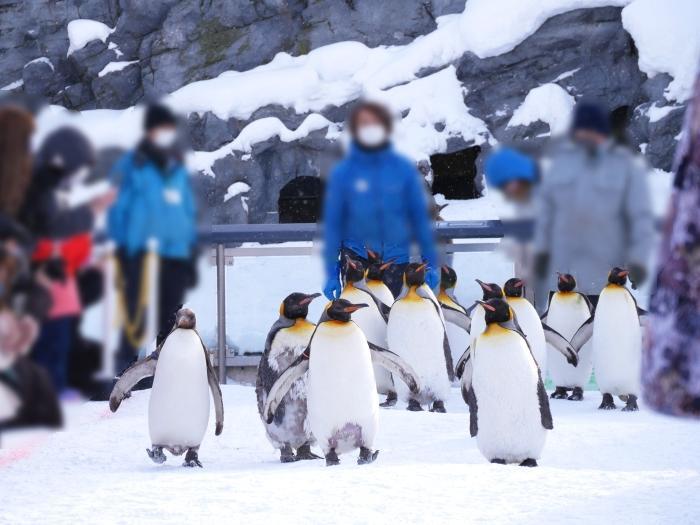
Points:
(619, 121)
(454, 174)
(300, 200)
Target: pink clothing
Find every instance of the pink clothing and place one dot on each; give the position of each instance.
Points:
(66, 299)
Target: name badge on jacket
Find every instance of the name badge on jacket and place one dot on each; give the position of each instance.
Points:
(172, 196)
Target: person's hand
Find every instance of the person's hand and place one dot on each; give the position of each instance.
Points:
(541, 265)
(432, 277)
(333, 288)
(637, 275)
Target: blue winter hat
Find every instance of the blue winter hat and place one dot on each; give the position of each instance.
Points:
(592, 117)
(508, 165)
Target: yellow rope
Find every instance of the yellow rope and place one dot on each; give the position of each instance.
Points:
(134, 329)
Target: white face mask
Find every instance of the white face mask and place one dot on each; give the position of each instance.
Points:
(372, 135)
(165, 139)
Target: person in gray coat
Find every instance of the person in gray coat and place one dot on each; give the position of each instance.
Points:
(593, 208)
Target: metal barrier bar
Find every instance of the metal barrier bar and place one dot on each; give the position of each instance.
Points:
(221, 311)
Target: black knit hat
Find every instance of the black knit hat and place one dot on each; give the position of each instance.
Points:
(158, 115)
(592, 117)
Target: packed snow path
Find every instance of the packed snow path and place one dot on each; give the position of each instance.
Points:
(597, 467)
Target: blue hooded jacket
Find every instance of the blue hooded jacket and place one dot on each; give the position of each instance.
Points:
(376, 200)
(152, 204)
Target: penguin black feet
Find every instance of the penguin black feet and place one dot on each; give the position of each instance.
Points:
(559, 393)
(367, 456)
(191, 459)
(390, 400)
(287, 454)
(439, 407)
(529, 462)
(332, 458)
(156, 454)
(577, 394)
(631, 404)
(498, 461)
(304, 452)
(608, 403)
(414, 406)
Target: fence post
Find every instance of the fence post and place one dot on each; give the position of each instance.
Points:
(221, 311)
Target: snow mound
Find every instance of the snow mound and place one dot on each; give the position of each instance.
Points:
(113, 67)
(83, 31)
(668, 39)
(549, 103)
(41, 60)
(235, 189)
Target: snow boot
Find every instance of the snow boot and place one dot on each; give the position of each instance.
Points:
(414, 406)
(332, 458)
(439, 407)
(390, 401)
(577, 394)
(287, 454)
(631, 404)
(608, 403)
(367, 456)
(559, 393)
(304, 452)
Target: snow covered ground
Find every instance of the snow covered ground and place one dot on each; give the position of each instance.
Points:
(597, 467)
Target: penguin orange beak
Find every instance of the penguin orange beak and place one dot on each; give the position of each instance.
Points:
(487, 306)
(309, 298)
(445, 267)
(421, 267)
(354, 307)
(371, 254)
(519, 284)
(484, 286)
(563, 277)
(624, 273)
(386, 265)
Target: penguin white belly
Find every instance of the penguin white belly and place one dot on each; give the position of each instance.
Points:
(415, 332)
(459, 340)
(179, 406)
(372, 324)
(478, 324)
(505, 380)
(531, 325)
(617, 343)
(567, 312)
(289, 344)
(342, 397)
(381, 291)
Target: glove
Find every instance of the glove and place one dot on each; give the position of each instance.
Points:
(432, 277)
(333, 288)
(637, 275)
(541, 265)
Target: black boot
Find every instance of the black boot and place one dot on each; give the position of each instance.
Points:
(577, 394)
(287, 454)
(304, 452)
(559, 393)
(390, 401)
(366, 456)
(414, 406)
(156, 454)
(631, 405)
(332, 458)
(439, 407)
(608, 403)
(498, 461)
(191, 459)
(529, 462)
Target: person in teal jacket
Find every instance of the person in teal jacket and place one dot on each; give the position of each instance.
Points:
(376, 200)
(155, 201)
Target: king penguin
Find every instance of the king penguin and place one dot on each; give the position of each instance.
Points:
(287, 339)
(567, 311)
(457, 322)
(617, 342)
(538, 334)
(416, 332)
(508, 406)
(178, 412)
(343, 408)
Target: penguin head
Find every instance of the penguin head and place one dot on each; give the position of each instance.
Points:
(618, 276)
(496, 311)
(185, 318)
(566, 282)
(514, 287)
(491, 290)
(448, 278)
(415, 274)
(341, 310)
(354, 270)
(376, 267)
(296, 305)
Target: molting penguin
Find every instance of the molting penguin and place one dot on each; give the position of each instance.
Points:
(178, 412)
(617, 342)
(567, 310)
(371, 320)
(341, 392)
(286, 341)
(457, 321)
(416, 332)
(508, 405)
(538, 334)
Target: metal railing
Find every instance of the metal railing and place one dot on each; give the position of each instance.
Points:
(227, 239)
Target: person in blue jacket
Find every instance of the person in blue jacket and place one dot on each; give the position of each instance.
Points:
(376, 199)
(155, 201)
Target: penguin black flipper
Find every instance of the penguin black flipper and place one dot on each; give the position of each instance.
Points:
(545, 412)
(131, 376)
(426, 293)
(583, 334)
(266, 376)
(560, 343)
(383, 308)
(641, 312)
(456, 317)
(213, 381)
(285, 381)
(591, 308)
(394, 364)
(462, 363)
(470, 399)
